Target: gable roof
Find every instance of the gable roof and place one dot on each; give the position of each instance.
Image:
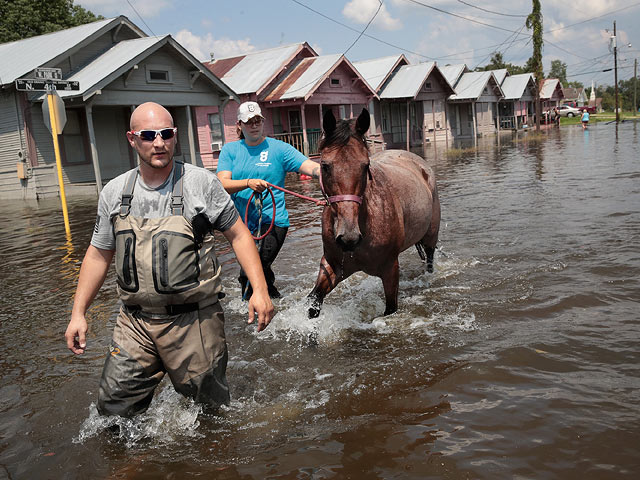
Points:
(252, 72)
(514, 86)
(122, 57)
(377, 70)
(308, 75)
(549, 87)
(408, 80)
(500, 75)
(472, 84)
(19, 58)
(453, 73)
(573, 93)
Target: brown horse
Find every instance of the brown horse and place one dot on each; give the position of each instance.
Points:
(376, 208)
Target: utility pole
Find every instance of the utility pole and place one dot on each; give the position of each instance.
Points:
(635, 86)
(534, 22)
(615, 68)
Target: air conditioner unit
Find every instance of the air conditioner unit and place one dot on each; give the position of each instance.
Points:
(216, 146)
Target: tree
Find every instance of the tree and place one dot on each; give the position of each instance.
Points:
(27, 18)
(534, 22)
(497, 62)
(559, 71)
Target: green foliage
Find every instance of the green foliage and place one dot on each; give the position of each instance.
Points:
(497, 62)
(559, 71)
(534, 22)
(576, 84)
(534, 64)
(27, 18)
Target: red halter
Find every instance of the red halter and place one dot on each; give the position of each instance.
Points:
(338, 198)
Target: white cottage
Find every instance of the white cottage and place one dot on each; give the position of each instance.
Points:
(118, 67)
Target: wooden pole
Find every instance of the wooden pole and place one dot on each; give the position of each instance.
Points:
(615, 69)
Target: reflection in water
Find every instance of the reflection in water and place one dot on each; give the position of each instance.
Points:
(518, 354)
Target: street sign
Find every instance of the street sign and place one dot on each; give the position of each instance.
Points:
(36, 85)
(48, 73)
(60, 112)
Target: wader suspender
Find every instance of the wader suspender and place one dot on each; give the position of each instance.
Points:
(177, 206)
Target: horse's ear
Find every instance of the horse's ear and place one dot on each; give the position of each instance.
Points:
(363, 122)
(328, 123)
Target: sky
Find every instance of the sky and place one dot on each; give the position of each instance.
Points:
(446, 31)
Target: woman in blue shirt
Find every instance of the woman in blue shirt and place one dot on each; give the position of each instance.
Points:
(585, 119)
(245, 167)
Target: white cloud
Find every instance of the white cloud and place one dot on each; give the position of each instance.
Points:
(203, 47)
(361, 11)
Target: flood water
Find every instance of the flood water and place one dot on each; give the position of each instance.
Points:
(518, 357)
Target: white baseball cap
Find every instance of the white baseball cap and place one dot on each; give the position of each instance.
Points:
(248, 110)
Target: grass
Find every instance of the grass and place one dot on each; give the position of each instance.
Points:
(598, 117)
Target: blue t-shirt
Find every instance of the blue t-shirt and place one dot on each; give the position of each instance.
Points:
(585, 116)
(270, 161)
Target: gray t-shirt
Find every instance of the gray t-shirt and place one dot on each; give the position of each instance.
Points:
(202, 193)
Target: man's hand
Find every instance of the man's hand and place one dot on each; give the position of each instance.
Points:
(260, 305)
(76, 334)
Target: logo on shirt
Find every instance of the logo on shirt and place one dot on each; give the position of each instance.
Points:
(96, 227)
(262, 161)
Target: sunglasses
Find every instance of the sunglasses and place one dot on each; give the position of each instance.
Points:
(150, 135)
(254, 121)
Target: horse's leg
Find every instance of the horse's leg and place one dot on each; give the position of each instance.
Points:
(327, 279)
(430, 240)
(390, 281)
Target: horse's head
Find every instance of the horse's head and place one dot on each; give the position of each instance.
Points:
(344, 165)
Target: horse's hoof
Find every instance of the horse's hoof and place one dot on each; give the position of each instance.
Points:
(313, 312)
(430, 267)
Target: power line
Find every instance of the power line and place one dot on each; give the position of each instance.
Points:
(460, 16)
(358, 31)
(491, 11)
(365, 28)
(140, 17)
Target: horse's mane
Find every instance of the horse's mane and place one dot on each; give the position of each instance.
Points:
(341, 135)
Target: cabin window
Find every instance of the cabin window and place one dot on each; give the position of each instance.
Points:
(334, 82)
(75, 149)
(385, 115)
(427, 86)
(277, 121)
(215, 131)
(158, 74)
(486, 91)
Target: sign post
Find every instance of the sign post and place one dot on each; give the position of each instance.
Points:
(56, 148)
(50, 80)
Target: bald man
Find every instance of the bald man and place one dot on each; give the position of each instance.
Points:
(158, 222)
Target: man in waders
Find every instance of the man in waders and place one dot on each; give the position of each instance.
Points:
(158, 221)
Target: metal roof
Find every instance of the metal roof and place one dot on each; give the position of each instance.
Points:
(407, 81)
(255, 69)
(500, 75)
(472, 84)
(453, 72)
(514, 86)
(548, 87)
(93, 75)
(376, 71)
(306, 76)
(123, 56)
(19, 58)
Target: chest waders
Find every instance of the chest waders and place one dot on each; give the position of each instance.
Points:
(159, 267)
(171, 321)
